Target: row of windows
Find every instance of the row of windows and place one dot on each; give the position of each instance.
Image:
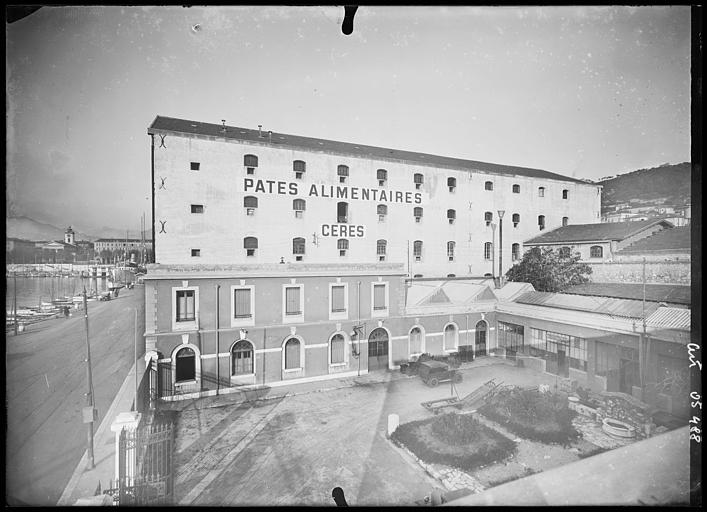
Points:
(250, 162)
(250, 203)
(243, 302)
(242, 352)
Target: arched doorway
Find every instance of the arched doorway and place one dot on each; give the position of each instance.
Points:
(480, 339)
(378, 350)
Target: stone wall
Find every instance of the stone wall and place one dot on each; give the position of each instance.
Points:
(663, 272)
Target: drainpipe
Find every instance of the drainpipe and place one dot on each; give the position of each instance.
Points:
(218, 365)
(152, 166)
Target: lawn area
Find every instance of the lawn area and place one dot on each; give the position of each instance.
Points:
(528, 413)
(456, 440)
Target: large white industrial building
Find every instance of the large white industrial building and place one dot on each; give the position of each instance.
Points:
(223, 194)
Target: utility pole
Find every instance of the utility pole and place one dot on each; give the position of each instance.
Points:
(500, 246)
(89, 411)
(14, 277)
(642, 337)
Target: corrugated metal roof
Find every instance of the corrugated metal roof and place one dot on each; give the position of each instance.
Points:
(676, 239)
(602, 305)
(670, 293)
(187, 127)
(670, 318)
(594, 232)
(511, 290)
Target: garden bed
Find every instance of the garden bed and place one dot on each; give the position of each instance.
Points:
(528, 413)
(456, 440)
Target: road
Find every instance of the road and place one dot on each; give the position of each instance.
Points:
(46, 384)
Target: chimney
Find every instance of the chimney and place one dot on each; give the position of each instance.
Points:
(270, 136)
(260, 130)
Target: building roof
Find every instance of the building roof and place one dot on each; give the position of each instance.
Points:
(667, 240)
(626, 308)
(121, 240)
(669, 293)
(670, 318)
(183, 126)
(512, 290)
(594, 232)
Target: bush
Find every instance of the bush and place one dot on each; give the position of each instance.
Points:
(528, 413)
(455, 440)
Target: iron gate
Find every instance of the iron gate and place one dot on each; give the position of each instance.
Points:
(145, 466)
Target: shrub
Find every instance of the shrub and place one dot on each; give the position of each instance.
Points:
(528, 413)
(455, 440)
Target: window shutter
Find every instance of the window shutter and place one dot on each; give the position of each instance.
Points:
(242, 299)
(338, 299)
(378, 296)
(292, 354)
(337, 349)
(292, 301)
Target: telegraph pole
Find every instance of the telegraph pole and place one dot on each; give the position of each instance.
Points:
(89, 411)
(14, 277)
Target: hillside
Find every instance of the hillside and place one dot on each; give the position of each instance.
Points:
(30, 229)
(666, 184)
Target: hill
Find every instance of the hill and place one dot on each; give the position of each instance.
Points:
(668, 184)
(30, 229)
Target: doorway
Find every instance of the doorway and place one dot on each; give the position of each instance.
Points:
(480, 338)
(378, 350)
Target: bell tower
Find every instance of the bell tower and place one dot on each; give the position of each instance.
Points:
(69, 236)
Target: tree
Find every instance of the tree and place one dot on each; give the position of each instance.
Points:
(548, 270)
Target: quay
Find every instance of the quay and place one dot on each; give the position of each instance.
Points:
(46, 386)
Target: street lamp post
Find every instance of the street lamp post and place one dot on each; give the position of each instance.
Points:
(493, 251)
(500, 246)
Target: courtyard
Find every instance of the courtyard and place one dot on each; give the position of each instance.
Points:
(295, 444)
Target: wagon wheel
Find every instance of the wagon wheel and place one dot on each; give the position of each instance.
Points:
(457, 377)
(433, 382)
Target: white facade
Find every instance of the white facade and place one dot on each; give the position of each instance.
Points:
(215, 232)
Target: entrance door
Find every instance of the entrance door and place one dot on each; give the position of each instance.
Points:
(562, 366)
(378, 350)
(480, 339)
(628, 375)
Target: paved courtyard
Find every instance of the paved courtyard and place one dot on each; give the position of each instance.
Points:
(293, 448)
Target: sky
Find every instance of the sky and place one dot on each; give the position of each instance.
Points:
(586, 92)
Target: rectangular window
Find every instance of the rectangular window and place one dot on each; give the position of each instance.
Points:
(338, 299)
(185, 306)
(195, 253)
(197, 208)
(241, 297)
(195, 166)
(292, 301)
(511, 336)
(379, 302)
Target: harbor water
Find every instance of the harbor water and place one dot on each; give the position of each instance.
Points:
(31, 291)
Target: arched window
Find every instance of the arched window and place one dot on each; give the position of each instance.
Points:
(450, 337)
(596, 251)
(452, 184)
(488, 217)
(565, 194)
(487, 250)
(299, 205)
(250, 161)
(417, 250)
(381, 247)
(516, 219)
(242, 358)
(450, 250)
(541, 222)
(343, 172)
(342, 212)
(299, 167)
(565, 221)
(250, 243)
(417, 212)
(343, 245)
(292, 354)
(298, 246)
(451, 216)
(415, 340)
(418, 180)
(338, 344)
(250, 203)
(541, 191)
(515, 252)
(382, 176)
(382, 210)
(185, 365)
(488, 185)
(516, 188)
